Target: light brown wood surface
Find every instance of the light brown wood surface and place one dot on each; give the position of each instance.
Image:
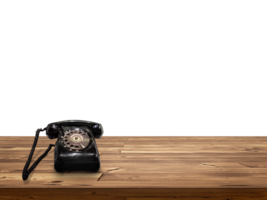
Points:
(146, 167)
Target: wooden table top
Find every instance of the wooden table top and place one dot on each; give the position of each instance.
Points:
(145, 162)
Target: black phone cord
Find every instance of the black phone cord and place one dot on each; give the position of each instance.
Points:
(26, 171)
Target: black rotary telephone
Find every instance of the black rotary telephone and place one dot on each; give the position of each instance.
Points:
(75, 148)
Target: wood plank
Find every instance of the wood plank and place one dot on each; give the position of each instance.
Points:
(194, 183)
(52, 177)
(182, 176)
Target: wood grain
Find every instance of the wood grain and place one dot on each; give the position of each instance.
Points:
(147, 167)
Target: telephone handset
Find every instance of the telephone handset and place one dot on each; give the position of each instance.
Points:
(75, 148)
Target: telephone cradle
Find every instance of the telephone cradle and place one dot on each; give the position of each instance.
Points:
(75, 148)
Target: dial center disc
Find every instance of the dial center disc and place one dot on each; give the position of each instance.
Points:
(76, 138)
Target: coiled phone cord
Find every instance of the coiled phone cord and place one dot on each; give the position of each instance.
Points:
(26, 171)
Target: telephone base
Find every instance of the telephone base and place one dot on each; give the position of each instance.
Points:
(67, 159)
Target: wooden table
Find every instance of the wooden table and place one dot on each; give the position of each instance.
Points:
(143, 168)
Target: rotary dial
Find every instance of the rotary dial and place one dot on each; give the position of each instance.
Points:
(75, 140)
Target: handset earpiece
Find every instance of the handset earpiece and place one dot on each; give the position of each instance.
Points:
(97, 130)
(52, 131)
